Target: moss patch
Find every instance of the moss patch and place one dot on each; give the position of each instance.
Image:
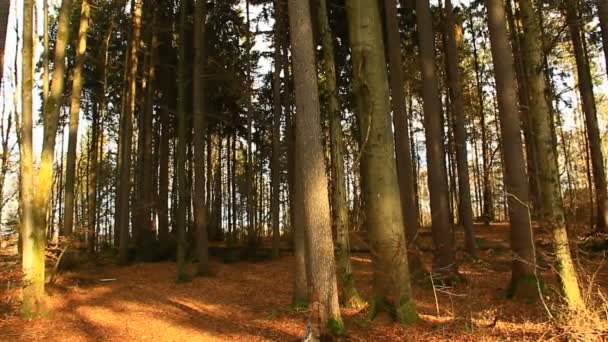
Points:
(406, 313)
(336, 327)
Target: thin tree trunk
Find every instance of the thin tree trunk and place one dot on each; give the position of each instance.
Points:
(405, 170)
(77, 84)
(275, 164)
(460, 134)
(198, 96)
(444, 262)
(127, 135)
(180, 150)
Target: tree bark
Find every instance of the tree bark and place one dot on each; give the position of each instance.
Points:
(325, 312)
(32, 235)
(444, 262)
(81, 49)
(181, 147)
(384, 220)
(127, 135)
(199, 122)
(460, 134)
(551, 195)
(346, 282)
(522, 240)
(275, 161)
(403, 154)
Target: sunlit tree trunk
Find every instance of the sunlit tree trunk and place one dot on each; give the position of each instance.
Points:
(126, 133)
(522, 241)
(585, 87)
(32, 236)
(324, 308)
(460, 134)
(384, 220)
(77, 83)
(552, 204)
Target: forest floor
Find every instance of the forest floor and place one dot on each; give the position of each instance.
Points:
(247, 301)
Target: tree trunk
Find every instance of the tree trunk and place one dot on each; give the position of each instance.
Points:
(32, 235)
(275, 162)
(198, 96)
(405, 169)
(346, 281)
(181, 146)
(460, 133)
(325, 312)
(251, 234)
(443, 242)
(525, 114)
(585, 87)
(384, 220)
(522, 240)
(127, 135)
(551, 195)
(81, 49)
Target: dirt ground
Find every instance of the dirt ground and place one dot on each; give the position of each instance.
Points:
(251, 302)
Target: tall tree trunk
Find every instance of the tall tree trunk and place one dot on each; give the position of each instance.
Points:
(443, 241)
(325, 312)
(585, 87)
(34, 240)
(32, 235)
(384, 220)
(145, 200)
(551, 195)
(181, 147)
(525, 114)
(522, 240)
(275, 162)
(251, 234)
(346, 281)
(300, 284)
(81, 49)
(126, 133)
(198, 96)
(405, 170)
(460, 133)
